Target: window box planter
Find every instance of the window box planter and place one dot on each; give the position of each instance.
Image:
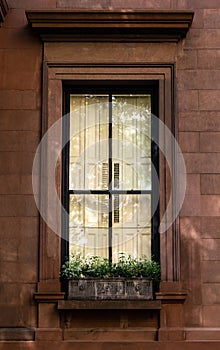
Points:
(95, 278)
(110, 289)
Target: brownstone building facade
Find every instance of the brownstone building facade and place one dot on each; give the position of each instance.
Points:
(47, 46)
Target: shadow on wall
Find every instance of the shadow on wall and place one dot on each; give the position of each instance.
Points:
(200, 264)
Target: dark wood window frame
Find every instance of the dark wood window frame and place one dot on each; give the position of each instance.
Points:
(117, 87)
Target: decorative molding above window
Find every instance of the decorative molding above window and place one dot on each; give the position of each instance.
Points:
(3, 10)
(120, 26)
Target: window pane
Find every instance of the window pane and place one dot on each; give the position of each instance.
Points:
(88, 142)
(136, 243)
(131, 144)
(125, 159)
(134, 210)
(88, 225)
(131, 231)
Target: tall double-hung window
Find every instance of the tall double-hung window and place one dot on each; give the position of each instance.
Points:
(110, 178)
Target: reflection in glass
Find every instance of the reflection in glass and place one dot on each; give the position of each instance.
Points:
(131, 231)
(131, 144)
(110, 152)
(89, 119)
(88, 225)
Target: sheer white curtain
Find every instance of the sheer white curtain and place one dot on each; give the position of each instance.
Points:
(129, 150)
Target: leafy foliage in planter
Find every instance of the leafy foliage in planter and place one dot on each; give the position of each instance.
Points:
(98, 267)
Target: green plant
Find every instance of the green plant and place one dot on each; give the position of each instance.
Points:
(98, 267)
(72, 268)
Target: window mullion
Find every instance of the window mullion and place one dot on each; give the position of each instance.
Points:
(110, 177)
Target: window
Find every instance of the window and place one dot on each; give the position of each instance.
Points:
(110, 170)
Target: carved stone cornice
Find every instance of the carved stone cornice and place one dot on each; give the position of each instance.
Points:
(121, 26)
(3, 10)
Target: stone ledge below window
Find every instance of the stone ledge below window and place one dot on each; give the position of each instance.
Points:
(17, 334)
(112, 26)
(109, 304)
(111, 334)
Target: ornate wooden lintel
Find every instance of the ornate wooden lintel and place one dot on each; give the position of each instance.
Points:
(119, 26)
(3, 10)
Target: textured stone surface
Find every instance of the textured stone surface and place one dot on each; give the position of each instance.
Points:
(209, 100)
(16, 305)
(211, 315)
(143, 334)
(208, 267)
(202, 162)
(210, 227)
(103, 289)
(20, 120)
(187, 59)
(16, 334)
(198, 79)
(201, 4)
(199, 121)
(203, 39)
(19, 75)
(188, 100)
(33, 4)
(197, 116)
(193, 184)
(210, 184)
(113, 4)
(209, 59)
(210, 293)
(189, 142)
(111, 345)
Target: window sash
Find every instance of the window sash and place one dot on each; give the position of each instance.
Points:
(113, 192)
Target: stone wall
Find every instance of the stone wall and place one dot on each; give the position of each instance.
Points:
(197, 113)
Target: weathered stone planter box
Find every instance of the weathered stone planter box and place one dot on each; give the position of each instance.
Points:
(110, 289)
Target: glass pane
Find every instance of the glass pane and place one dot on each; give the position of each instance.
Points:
(134, 242)
(133, 210)
(131, 143)
(131, 233)
(88, 142)
(88, 224)
(130, 150)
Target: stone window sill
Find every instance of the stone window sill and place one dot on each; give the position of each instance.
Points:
(17, 334)
(109, 304)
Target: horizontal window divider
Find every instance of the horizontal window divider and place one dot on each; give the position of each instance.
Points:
(96, 227)
(110, 191)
